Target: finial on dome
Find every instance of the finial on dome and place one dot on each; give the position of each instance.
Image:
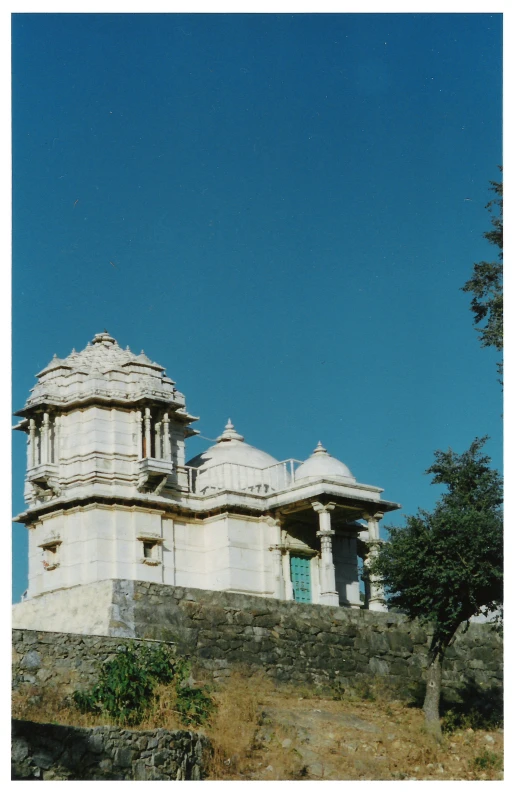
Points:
(319, 449)
(104, 337)
(230, 434)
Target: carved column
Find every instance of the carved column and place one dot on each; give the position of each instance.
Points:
(166, 446)
(329, 594)
(375, 594)
(147, 452)
(373, 528)
(32, 443)
(57, 438)
(45, 439)
(158, 440)
(277, 553)
(139, 435)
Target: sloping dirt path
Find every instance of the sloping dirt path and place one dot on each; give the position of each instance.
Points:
(316, 739)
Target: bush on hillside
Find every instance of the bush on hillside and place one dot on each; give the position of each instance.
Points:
(126, 686)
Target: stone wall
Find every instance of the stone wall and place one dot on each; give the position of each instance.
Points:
(306, 642)
(46, 752)
(291, 642)
(56, 659)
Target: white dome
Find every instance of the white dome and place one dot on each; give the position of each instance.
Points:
(322, 465)
(233, 464)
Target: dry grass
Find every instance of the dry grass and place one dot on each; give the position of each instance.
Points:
(289, 745)
(46, 705)
(234, 725)
(263, 731)
(162, 713)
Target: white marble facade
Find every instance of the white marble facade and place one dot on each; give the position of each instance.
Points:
(110, 495)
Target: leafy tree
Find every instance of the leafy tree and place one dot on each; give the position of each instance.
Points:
(445, 566)
(486, 284)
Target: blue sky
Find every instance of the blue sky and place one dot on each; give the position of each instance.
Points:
(284, 201)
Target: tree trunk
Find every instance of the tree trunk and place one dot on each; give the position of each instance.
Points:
(433, 695)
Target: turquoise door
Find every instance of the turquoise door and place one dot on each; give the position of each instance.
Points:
(301, 578)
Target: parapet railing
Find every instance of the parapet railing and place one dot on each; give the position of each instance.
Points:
(240, 477)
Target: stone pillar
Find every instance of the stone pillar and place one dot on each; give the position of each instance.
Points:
(166, 446)
(148, 435)
(277, 553)
(158, 440)
(139, 434)
(373, 528)
(57, 433)
(375, 594)
(45, 439)
(329, 594)
(32, 444)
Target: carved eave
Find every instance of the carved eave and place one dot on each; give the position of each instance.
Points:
(53, 367)
(138, 363)
(183, 416)
(201, 506)
(48, 401)
(300, 497)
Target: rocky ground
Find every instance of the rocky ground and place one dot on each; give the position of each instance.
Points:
(322, 739)
(263, 731)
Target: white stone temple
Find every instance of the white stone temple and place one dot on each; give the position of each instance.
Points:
(111, 497)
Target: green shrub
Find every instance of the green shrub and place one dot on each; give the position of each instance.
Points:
(337, 691)
(364, 688)
(456, 719)
(194, 705)
(125, 688)
(487, 760)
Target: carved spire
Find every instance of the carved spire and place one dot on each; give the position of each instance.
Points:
(230, 434)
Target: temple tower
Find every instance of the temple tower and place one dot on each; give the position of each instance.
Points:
(105, 437)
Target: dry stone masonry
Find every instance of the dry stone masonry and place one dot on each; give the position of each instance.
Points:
(47, 752)
(290, 642)
(66, 662)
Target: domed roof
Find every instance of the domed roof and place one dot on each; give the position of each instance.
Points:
(240, 462)
(231, 448)
(103, 371)
(100, 355)
(322, 465)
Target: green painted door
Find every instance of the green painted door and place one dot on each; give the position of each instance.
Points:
(301, 578)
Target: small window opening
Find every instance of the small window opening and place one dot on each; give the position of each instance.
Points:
(149, 549)
(50, 550)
